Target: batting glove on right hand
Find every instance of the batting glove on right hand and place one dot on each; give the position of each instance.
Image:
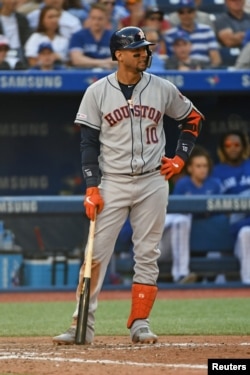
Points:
(170, 167)
(93, 202)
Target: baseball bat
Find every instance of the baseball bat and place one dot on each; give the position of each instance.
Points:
(83, 308)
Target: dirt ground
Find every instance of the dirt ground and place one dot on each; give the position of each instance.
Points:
(178, 355)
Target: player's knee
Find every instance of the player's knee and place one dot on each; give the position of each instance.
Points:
(244, 233)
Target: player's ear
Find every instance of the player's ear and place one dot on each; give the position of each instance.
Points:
(118, 55)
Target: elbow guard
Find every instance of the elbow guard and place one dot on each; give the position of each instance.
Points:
(193, 122)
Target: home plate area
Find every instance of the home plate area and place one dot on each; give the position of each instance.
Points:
(183, 355)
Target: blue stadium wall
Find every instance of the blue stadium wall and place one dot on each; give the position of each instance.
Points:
(39, 145)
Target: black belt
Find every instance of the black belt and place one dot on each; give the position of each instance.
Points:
(141, 174)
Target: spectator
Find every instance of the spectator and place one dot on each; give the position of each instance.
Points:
(154, 18)
(89, 47)
(77, 9)
(234, 173)
(136, 15)
(231, 25)
(243, 60)
(204, 44)
(158, 61)
(181, 58)
(4, 63)
(48, 32)
(46, 58)
(68, 24)
(200, 16)
(176, 234)
(115, 14)
(16, 28)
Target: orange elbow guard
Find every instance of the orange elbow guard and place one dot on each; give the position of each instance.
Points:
(193, 122)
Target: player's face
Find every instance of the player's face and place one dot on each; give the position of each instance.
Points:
(233, 148)
(135, 59)
(199, 168)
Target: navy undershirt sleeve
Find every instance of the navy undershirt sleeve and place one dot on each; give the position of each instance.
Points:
(90, 150)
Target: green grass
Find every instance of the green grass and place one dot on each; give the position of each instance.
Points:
(169, 317)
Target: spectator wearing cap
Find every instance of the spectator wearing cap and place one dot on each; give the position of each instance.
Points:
(200, 16)
(48, 32)
(46, 58)
(231, 26)
(5, 64)
(204, 46)
(181, 58)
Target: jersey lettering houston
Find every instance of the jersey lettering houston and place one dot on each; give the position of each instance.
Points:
(131, 132)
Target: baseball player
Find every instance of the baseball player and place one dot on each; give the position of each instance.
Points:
(234, 173)
(122, 135)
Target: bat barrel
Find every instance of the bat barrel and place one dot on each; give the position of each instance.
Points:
(83, 309)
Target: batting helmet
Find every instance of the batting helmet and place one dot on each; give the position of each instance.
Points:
(127, 38)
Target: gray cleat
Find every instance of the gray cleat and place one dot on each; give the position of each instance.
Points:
(66, 338)
(144, 336)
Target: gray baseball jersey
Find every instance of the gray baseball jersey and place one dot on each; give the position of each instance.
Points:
(133, 127)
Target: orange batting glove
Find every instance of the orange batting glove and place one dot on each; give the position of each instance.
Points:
(93, 201)
(169, 167)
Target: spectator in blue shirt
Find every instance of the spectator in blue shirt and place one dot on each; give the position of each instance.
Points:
(205, 47)
(176, 234)
(89, 47)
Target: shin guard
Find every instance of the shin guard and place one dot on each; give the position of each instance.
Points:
(143, 297)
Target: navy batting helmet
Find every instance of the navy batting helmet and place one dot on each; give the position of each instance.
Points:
(127, 38)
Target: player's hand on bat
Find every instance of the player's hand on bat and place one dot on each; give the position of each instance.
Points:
(169, 166)
(93, 201)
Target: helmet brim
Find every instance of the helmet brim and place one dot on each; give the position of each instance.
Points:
(139, 44)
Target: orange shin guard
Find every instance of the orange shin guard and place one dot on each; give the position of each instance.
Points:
(143, 297)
